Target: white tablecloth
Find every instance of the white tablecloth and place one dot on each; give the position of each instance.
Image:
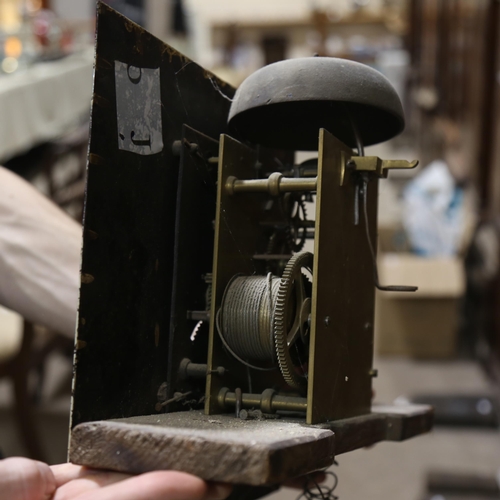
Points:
(40, 103)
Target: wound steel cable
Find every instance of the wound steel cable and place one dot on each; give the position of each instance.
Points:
(245, 318)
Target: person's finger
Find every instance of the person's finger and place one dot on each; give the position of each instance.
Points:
(86, 484)
(24, 479)
(64, 473)
(74, 480)
(159, 485)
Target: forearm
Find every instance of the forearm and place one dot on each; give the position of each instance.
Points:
(39, 256)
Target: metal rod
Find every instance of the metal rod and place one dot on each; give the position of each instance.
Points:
(357, 136)
(189, 370)
(279, 223)
(198, 315)
(177, 397)
(238, 395)
(275, 184)
(266, 401)
(390, 288)
(271, 256)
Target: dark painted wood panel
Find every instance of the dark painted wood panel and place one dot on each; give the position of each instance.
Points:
(127, 260)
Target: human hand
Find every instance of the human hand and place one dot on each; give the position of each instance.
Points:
(24, 479)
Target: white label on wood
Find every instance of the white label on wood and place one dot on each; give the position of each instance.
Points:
(138, 106)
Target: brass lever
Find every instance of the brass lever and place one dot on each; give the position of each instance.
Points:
(390, 288)
(375, 165)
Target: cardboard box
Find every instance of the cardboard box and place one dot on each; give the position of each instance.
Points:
(392, 239)
(422, 324)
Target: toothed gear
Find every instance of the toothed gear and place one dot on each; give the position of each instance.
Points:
(286, 332)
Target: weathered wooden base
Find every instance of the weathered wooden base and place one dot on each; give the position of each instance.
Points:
(223, 448)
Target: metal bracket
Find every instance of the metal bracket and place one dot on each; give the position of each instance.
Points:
(375, 165)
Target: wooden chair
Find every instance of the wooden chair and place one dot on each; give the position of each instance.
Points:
(17, 370)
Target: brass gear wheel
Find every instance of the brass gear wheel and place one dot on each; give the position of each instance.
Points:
(291, 315)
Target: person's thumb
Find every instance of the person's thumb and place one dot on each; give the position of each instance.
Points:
(24, 479)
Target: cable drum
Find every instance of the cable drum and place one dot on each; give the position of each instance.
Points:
(246, 317)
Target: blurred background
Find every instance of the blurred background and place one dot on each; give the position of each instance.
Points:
(439, 225)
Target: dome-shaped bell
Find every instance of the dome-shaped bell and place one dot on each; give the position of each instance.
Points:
(284, 105)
